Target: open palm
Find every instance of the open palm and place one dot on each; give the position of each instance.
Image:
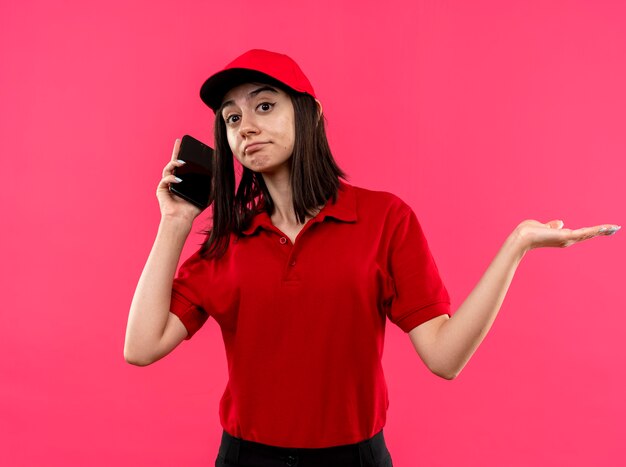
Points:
(535, 234)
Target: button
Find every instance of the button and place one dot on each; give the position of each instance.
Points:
(291, 460)
(293, 263)
(283, 240)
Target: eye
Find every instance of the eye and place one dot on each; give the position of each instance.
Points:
(229, 120)
(266, 106)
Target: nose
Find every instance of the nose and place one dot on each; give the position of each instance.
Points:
(248, 124)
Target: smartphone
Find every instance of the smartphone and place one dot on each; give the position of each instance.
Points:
(196, 174)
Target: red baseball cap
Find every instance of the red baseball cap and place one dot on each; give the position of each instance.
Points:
(255, 64)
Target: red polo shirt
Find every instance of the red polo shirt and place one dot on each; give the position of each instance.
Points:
(304, 323)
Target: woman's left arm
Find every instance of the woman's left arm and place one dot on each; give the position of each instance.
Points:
(459, 336)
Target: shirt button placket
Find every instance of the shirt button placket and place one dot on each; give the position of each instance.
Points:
(283, 241)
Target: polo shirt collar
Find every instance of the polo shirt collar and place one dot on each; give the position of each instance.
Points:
(344, 209)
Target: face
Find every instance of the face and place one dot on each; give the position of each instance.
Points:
(260, 127)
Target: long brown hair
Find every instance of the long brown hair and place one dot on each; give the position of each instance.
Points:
(314, 177)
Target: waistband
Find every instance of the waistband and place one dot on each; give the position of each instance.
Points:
(233, 450)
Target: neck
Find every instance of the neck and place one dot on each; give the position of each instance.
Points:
(279, 188)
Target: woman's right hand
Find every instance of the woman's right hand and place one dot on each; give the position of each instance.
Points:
(173, 206)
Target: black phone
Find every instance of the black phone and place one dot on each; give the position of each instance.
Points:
(196, 174)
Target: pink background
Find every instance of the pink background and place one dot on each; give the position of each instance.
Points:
(479, 114)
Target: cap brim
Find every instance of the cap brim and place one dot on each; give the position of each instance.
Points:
(215, 87)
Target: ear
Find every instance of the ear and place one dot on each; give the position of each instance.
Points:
(319, 109)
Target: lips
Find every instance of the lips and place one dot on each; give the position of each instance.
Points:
(250, 148)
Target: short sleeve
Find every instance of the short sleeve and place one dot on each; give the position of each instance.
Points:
(418, 292)
(186, 301)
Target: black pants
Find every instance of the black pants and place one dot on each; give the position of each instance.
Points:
(236, 452)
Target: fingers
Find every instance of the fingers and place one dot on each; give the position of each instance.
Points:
(610, 230)
(171, 165)
(599, 230)
(590, 232)
(167, 180)
(605, 229)
(174, 162)
(175, 150)
(168, 171)
(555, 224)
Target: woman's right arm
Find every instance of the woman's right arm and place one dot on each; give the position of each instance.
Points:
(152, 331)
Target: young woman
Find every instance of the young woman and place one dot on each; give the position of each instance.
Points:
(300, 270)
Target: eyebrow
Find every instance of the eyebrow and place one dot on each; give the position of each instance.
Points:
(251, 94)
